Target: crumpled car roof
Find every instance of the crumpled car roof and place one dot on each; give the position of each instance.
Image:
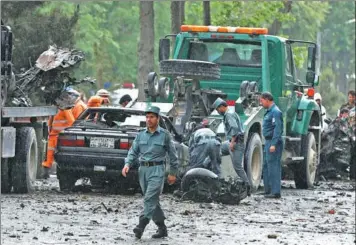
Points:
(58, 57)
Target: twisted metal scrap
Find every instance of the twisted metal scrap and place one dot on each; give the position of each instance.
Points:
(229, 191)
(50, 76)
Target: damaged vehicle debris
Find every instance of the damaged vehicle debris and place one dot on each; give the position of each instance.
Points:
(48, 78)
(202, 185)
(337, 144)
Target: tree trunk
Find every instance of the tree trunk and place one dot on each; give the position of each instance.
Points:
(176, 17)
(146, 46)
(182, 12)
(276, 25)
(207, 17)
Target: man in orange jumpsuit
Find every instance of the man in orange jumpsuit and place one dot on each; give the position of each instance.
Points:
(63, 119)
(95, 101)
(79, 106)
(60, 121)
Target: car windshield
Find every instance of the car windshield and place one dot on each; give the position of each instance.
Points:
(112, 118)
(227, 53)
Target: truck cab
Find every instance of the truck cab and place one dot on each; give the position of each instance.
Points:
(250, 62)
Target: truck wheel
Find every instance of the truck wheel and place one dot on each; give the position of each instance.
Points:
(305, 171)
(66, 180)
(191, 69)
(253, 160)
(163, 84)
(41, 153)
(153, 84)
(3, 91)
(5, 176)
(24, 167)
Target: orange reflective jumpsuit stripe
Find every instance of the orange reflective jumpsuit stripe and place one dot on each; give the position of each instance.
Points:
(79, 107)
(60, 121)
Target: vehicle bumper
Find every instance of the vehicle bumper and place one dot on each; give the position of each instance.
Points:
(83, 164)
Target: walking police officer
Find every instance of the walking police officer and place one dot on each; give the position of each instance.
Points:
(150, 149)
(272, 129)
(235, 140)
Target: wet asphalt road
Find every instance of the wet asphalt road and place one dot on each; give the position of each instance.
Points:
(325, 215)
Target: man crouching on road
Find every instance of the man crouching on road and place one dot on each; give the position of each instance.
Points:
(150, 148)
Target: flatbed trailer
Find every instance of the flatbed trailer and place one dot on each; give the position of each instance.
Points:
(23, 144)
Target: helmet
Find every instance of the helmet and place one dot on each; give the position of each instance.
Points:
(70, 90)
(317, 96)
(218, 102)
(103, 93)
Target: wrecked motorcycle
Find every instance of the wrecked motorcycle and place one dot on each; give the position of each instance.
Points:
(202, 185)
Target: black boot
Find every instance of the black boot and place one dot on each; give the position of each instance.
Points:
(248, 189)
(139, 229)
(161, 231)
(45, 174)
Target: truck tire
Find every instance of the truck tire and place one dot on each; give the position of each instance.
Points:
(3, 91)
(66, 180)
(254, 160)
(5, 176)
(24, 167)
(305, 171)
(191, 69)
(163, 84)
(41, 153)
(153, 84)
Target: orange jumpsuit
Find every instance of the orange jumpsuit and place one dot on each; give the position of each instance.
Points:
(60, 121)
(79, 107)
(95, 101)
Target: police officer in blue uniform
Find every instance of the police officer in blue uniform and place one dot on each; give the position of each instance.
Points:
(272, 129)
(204, 150)
(150, 149)
(235, 140)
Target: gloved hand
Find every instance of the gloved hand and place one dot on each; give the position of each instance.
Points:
(171, 179)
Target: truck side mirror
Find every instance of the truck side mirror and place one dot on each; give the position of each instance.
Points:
(311, 77)
(164, 49)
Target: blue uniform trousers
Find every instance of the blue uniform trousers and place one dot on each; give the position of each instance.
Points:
(272, 170)
(151, 182)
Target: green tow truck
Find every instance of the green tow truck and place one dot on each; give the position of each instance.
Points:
(237, 64)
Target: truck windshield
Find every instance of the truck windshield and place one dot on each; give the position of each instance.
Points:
(226, 53)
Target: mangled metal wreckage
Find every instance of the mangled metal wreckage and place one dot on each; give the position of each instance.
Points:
(202, 185)
(337, 158)
(48, 78)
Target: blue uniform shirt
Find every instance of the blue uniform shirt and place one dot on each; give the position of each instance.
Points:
(272, 126)
(233, 126)
(153, 147)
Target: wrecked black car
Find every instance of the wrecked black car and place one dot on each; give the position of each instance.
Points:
(97, 144)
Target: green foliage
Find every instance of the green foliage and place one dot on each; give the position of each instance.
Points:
(108, 32)
(306, 19)
(248, 13)
(332, 98)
